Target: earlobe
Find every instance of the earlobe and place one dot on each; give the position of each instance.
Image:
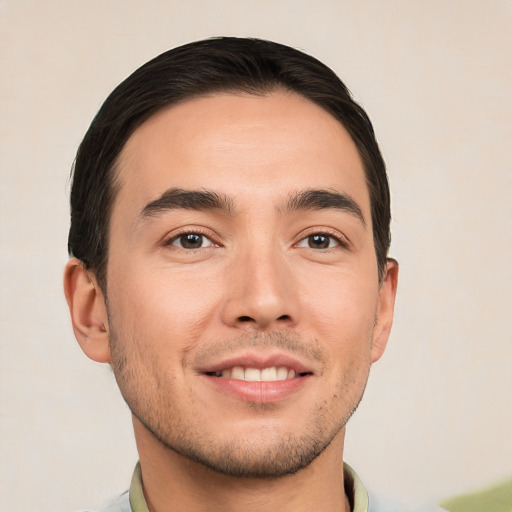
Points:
(88, 311)
(384, 320)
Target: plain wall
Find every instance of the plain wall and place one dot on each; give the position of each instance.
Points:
(436, 79)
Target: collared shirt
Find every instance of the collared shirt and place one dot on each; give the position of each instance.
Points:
(134, 501)
(354, 488)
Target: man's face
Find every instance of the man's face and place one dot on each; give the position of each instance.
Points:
(243, 293)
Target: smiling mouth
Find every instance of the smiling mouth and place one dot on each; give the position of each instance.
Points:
(248, 374)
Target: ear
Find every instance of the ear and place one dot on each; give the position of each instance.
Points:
(88, 311)
(384, 315)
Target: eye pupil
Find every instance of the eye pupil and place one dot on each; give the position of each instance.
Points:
(191, 241)
(318, 241)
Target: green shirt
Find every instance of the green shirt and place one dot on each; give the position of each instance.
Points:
(353, 487)
(134, 501)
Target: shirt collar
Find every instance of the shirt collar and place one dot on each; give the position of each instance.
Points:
(137, 500)
(354, 488)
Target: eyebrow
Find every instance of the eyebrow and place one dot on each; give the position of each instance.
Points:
(313, 199)
(201, 200)
(177, 198)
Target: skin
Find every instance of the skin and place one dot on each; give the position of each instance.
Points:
(260, 284)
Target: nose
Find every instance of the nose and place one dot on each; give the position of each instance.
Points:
(261, 293)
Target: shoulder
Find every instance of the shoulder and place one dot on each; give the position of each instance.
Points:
(384, 504)
(119, 504)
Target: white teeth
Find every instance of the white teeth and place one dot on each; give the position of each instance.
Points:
(252, 374)
(282, 373)
(270, 374)
(237, 372)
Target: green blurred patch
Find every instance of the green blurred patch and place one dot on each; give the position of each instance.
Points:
(495, 499)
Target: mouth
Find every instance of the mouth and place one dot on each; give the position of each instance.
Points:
(251, 374)
(259, 378)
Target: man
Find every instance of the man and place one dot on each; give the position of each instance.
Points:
(229, 236)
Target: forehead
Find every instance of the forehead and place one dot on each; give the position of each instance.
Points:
(235, 143)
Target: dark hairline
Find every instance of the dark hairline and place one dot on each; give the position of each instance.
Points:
(266, 67)
(115, 170)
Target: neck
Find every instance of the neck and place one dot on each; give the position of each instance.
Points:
(173, 482)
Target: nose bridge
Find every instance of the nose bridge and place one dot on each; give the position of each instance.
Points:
(260, 291)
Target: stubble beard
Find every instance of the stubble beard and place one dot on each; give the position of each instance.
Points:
(264, 455)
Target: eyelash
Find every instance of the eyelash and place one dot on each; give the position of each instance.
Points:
(332, 236)
(339, 241)
(171, 241)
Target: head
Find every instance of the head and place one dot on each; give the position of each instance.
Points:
(230, 227)
(198, 69)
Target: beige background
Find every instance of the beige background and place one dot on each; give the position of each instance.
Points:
(435, 77)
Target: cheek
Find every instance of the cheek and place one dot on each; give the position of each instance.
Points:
(343, 308)
(161, 305)
(343, 319)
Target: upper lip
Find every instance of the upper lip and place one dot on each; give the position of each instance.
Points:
(258, 360)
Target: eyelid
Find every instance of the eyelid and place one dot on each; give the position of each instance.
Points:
(341, 240)
(170, 238)
(174, 241)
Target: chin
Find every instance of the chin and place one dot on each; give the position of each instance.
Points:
(262, 454)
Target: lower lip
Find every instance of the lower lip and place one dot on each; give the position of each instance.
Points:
(259, 392)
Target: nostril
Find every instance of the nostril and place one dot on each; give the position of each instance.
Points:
(246, 318)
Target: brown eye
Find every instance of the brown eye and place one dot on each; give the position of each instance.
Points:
(191, 241)
(319, 241)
